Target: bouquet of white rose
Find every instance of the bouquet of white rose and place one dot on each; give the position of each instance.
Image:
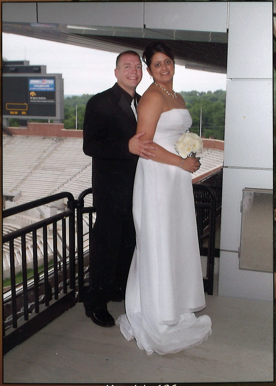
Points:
(188, 144)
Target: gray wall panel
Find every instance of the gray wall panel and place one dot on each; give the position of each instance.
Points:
(250, 40)
(188, 16)
(19, 12)
(92, 14)
(249, 123)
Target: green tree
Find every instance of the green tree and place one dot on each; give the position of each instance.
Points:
(75, 105)
(211, 105)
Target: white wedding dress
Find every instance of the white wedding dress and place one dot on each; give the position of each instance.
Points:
(165, 283)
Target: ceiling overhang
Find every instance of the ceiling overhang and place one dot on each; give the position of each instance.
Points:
(199, 42)
(202, 51)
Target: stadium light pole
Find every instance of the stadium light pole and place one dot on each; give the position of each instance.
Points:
(200, 122)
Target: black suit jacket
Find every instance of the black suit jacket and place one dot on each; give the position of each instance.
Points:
(109, 123)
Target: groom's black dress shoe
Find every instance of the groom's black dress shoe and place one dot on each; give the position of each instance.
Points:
(100, 317)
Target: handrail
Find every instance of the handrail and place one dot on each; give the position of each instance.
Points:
(80, 211)
(41, 201)
(84, 194)
(37, 225)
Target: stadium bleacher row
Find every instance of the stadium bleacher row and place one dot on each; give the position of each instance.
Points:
(38, 166)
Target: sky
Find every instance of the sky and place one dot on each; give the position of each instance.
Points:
(89, 71)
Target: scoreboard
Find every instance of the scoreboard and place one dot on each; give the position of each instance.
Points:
(33, 96)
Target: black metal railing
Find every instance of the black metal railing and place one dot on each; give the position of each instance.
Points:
(26, 305)
(61, 280)
(205, 206)
(215, 182)
(208, 197)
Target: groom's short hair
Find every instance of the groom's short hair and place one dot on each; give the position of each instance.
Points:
(128, 52)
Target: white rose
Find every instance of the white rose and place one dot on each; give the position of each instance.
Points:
(188, 143)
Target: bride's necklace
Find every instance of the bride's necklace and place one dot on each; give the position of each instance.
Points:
(172, 94)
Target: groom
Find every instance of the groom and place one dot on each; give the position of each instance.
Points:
(109, 138)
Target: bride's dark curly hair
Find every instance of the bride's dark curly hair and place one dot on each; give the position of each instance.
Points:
(153, 48)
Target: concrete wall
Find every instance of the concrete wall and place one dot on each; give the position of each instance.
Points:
(248, 160)
(45, 130)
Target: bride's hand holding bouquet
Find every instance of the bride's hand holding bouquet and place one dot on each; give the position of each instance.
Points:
(187, 146)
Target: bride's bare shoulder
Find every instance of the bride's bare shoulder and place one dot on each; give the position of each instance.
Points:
(151, 103)
(152, 96)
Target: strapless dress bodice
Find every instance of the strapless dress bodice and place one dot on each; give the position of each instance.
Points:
(171, 125)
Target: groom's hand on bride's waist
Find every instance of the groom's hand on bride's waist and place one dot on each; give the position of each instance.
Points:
(144, 149)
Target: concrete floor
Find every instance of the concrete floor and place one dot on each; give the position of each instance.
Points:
(72, 349)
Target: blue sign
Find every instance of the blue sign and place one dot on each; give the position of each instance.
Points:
(41, 84)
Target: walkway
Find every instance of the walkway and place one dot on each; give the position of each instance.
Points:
(72, 349)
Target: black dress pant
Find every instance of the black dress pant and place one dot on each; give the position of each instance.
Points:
(113, 243)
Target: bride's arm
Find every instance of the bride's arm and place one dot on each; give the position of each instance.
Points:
(149, 110)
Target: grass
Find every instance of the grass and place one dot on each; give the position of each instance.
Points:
(19, 275)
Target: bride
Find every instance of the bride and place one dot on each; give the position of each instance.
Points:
(165, 283)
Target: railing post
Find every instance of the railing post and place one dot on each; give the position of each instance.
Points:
(36, 275)
(45, 258)
(72, 206)
(24, 273)
(80, 205)
(80, 211)
(13, 285)
(64, 255)
(55, 259)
